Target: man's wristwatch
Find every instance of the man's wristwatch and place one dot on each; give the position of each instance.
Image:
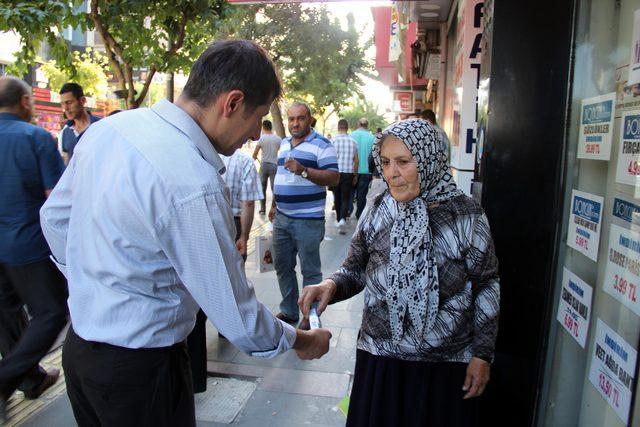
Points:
(304, 173)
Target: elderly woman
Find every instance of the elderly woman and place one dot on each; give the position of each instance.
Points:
(424, 253)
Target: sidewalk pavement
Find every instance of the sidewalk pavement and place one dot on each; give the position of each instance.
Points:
(245, 391)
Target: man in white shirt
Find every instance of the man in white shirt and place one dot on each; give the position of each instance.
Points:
(269, 144)
(141, 226)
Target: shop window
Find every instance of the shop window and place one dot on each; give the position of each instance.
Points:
(591, 372)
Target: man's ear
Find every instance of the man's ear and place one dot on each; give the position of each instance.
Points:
(25, 102)
(232, 103)
(83, 101)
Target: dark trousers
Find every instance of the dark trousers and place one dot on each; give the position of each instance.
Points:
(43, 289)
(197, 346)
(364, 179)
(342, 194)
(115, 386)
(197, 340)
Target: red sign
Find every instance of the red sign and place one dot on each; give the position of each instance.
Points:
(403, 101)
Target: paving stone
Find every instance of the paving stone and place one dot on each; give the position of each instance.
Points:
(223, 400)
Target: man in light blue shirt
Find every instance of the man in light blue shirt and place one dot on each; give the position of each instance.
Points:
(141, 226)
(365, 140)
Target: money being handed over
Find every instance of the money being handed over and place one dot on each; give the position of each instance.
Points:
(314, 319)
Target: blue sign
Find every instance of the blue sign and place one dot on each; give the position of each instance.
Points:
(626, 211)
(599, 112)
(587, 209)
(632, 127)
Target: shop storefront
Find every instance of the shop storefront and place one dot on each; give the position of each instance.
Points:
(559, 126)
(591, 370)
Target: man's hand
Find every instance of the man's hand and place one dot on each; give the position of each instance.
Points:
(477, 378)
(293, 166)
(323, 293)
(272, 213)
(312, 344)
(354, 182)
(241, 244)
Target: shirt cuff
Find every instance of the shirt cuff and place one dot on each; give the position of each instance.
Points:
(287, 340)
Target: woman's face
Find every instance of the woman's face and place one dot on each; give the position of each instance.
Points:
(400, 170)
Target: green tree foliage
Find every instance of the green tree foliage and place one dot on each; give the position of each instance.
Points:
(36, 22)
(89, 73)
(319, 61)
(159, 35)
(364, 109)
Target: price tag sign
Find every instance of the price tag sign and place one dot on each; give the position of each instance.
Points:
(596, 127)
(575, 306)
(628, 168)
(622, 275)
(613, 365)
(585, 223)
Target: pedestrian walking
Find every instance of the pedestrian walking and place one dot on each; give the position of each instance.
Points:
(142, 227)
(74, 105)
(425, 256)
(430, 116)
(347, 154)
(269, 144)
(30, 166)
(307, 164)
(364, 139)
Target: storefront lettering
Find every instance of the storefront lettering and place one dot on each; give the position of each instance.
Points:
(586, 209)
(617, 348)
(625, 210)
(575, 303)
(621, 260)
(628, 243)
(631, 147)
(589, 129)
(597, 113)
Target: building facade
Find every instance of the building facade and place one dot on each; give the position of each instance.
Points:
(548, 129)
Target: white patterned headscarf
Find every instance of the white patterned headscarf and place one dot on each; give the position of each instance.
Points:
(412, 274)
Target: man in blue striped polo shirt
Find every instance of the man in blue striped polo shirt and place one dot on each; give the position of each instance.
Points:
(307, 164)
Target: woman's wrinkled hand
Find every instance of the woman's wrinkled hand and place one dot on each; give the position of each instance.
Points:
(477, 378)
(322, 292)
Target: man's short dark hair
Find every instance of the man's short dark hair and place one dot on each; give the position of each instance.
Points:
(343, 124)
(428, 115)
(12, 90)
(233, 65)
(267, 125)
(74, 88)
(363, 123)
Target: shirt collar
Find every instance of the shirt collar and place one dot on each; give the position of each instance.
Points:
(312, 135)
(92, 119)
(185, 123)
(11, 116)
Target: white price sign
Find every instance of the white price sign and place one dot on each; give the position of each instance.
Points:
(613, 365)
(596, 127)
(575, 306)
(585, 222)
(622, 275)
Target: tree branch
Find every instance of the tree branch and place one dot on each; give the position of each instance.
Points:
(111, 47)
(147, 83)
(102, 29)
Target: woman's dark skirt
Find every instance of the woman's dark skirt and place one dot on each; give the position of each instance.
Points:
(393, 392)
